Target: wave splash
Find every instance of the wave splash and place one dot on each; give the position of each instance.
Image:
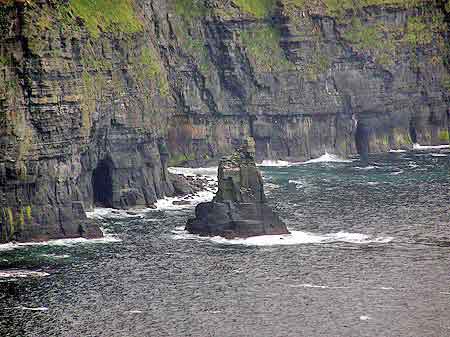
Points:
(295, 238)
(274, 163)
(430, 147)
(21, 273)
(327, 158)
(107, 238)
(192, 172)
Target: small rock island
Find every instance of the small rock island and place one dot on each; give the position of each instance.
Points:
(239, 208)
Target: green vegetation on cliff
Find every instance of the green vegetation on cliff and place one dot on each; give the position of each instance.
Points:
(336, 8)
(263, 49)
(149, 67)
(257, 8)
(190, 8)
(107, 15)
(377, 40)
(382, 40)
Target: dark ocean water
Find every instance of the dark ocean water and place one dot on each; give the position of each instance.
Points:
(369, 256)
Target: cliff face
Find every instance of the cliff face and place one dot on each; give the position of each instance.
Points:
(95, 97)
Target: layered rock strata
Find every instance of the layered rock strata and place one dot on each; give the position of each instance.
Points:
(97, 98)
(239, 208)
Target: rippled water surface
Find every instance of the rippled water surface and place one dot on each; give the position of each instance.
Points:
(369, 255)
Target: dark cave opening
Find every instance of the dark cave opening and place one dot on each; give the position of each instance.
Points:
(102, 184)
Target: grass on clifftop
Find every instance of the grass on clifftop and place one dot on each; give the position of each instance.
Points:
(336, 8)
(107, 15)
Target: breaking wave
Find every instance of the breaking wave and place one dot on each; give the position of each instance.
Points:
(107, 238)
(192, 172)
(274, 163)
(21, 273)
(327, 158)
(295, 238)
(430, 147)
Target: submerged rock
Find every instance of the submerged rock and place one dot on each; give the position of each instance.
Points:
(239, 208)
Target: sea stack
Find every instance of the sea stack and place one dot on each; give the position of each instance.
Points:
(239, 208)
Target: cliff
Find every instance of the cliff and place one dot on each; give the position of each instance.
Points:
(96, 97)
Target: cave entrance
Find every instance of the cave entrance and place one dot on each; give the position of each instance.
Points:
(102, 184)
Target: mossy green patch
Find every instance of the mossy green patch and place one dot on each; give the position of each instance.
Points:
(21, 219)
(8, 227)
(4, 61)
(190, 9)
(444, 136)
(263, 49)
(178, 159)
(93, 86)
(9, 213)
(378, 40)
(148, 67)
(28, 213)
(107, 15)
(445, 82)
(5, 22)
(257, 8)
(418, 32)
(318, 64)
(339, 8)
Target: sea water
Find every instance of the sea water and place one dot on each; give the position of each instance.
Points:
(368, 255)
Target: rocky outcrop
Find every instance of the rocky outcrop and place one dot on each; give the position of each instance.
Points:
(239, 208)
(77, 120)
(95, 103)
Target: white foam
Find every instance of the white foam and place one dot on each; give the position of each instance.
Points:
(274, 163)
(397, 173)
(34, 309)
(396, 151)
(364, 318)
(54, 256)
(309, 285)
(21, 273)
(134, 312)
(192, 200)
(295, 238)
(430, 147)
(373, 183)
(112, 213)
(107, 238)
(193, 172)
(298, 183)
(365, 168)
(271, 186)
(438, 155)
(327, 158)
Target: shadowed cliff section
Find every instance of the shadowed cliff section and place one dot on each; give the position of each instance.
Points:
(128, 87)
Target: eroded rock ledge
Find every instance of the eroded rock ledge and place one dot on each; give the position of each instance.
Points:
(239, 208)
